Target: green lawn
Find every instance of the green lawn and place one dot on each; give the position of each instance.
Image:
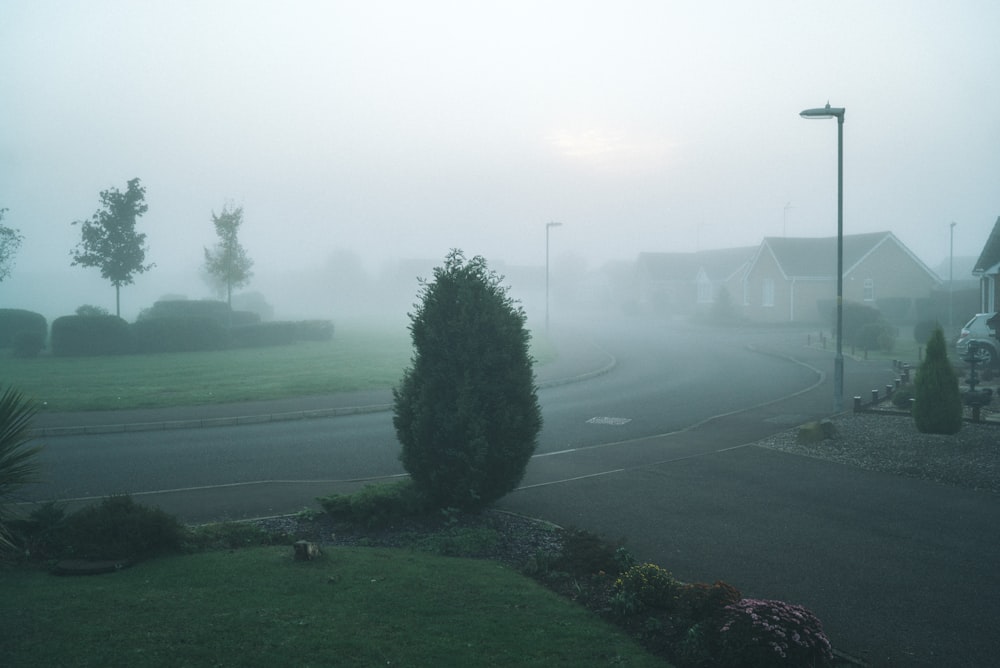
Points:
(361, 356)
(259, 607)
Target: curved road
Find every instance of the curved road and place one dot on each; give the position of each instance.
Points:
(666, 378)
(659, 451)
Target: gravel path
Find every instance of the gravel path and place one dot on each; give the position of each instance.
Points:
(891, 443)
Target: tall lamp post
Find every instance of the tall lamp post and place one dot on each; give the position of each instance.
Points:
(548, 226)
(838, 362)
(951, 279)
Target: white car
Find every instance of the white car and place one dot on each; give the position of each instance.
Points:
(982, 340)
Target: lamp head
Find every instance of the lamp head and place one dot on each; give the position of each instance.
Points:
(824, 112)
(553, 224)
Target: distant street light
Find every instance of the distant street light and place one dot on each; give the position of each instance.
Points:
(548, 226)
(838, 362)
(951, 279)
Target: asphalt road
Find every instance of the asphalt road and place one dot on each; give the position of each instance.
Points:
(660, 452)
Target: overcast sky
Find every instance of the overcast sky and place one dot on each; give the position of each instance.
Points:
(403, 129)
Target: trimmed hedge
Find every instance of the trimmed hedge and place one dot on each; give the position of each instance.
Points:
(15, 320)
(188, 308)
(179, 334)
(86, 335)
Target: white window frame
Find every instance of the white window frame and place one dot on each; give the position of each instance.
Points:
(767, 292)
(869, 290)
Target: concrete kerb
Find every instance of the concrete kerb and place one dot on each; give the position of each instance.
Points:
(230, 421)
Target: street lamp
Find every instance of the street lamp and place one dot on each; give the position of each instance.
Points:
(838, 362)
(548, 226)
(951, 279)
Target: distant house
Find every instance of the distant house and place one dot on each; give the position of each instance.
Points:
(685, 283)
(987, 268)
(795, 279)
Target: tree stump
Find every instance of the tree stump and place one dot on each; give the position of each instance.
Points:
(306, 551)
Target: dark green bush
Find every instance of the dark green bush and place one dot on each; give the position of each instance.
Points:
(649, 586)
(856, 318)
(466, 411)
(120, 528)
(15, 320)
(585, 553)
(937, 406)
(896, 309)
(377, 505)
(28, 343)
(179, 334)
(86, 335)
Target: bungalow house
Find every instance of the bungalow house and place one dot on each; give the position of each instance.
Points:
(795, 279)
(987, 268)
(684, 283)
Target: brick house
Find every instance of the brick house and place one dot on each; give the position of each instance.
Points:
(987, 268)
(795, 279)
(687, 283)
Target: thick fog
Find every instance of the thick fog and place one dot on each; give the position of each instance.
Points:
(365, 139)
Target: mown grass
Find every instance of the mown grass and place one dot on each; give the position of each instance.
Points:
(361, 356)
(259, 607)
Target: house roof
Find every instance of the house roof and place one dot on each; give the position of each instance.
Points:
(989, 259)
(816, 258)
(717, 265)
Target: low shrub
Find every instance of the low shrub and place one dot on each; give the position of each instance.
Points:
(585, 553)
(760, 633)
(652, 587)
(902, 396)
(119, 528)
(89, 335)
(377, 505)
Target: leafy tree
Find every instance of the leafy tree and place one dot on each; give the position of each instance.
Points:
(17, 465)
(937, 405)
(109, 239)
(10, 243)
(228, 265)
(466, 411)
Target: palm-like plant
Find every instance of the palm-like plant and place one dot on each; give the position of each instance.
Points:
(17, 459)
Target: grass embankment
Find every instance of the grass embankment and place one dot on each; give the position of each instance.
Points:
(360, 357)
(259, 607)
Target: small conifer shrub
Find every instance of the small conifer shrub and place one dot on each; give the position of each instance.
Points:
(937, 406)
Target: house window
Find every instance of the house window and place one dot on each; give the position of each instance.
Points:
(869, 290)
(767, 294)
(704, 292)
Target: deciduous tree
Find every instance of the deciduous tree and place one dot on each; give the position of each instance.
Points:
(109, 240)
(466, 411)
(10, 243)
(228, 265)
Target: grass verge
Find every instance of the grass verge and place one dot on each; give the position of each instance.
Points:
(360, 357)
(259, 607)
